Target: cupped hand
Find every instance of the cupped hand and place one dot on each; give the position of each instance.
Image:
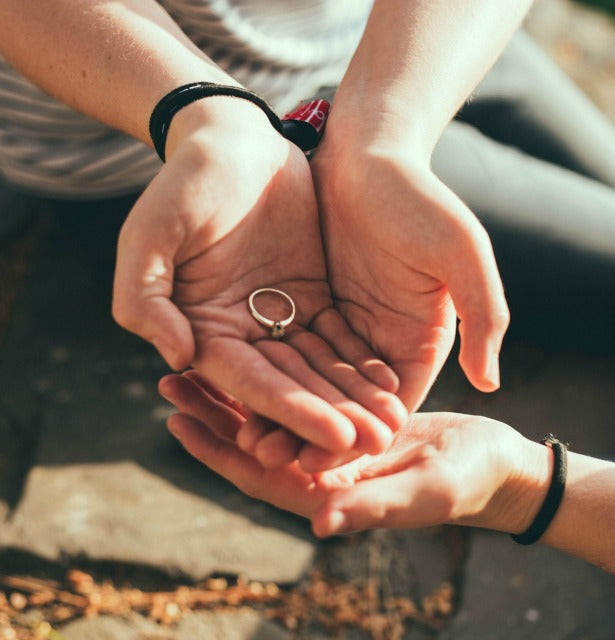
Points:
(406, 257)
(441, 468)
(232, 211)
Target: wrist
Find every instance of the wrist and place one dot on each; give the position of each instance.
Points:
(213, 117)
(356, 129)
(520, 497)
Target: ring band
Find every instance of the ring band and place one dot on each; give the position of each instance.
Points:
(277, 326)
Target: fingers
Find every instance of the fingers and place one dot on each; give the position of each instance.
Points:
(401, 501)
(288, 488)
(272, 445)
(373, 436)
(247, 374)
(254, 429)
(353, 350)
(275, 446)
(313, 459)
(215, 392)
(218, 454)
(278, 448)
(478, 295)
(142, 289)
(341, 371)
(192, 399)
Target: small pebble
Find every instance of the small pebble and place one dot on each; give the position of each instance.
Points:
(18, 601)
(532, 615)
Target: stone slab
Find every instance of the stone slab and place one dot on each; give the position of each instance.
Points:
(122, 513)
(243, 624)
(115, 628)
(407, 565)
(531, 593)
(410, 564)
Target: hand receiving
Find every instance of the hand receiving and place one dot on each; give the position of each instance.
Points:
(441, 468)
(233, 211)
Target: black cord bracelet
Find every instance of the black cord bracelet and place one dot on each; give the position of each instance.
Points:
(554, 495)
(181, 97)
(304, 135)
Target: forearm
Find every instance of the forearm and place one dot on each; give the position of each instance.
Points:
(418, 62)
(584, 524)
(110, 60)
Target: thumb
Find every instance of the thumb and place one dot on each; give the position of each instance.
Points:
(380, 502)
(475, 286)
(142, 290)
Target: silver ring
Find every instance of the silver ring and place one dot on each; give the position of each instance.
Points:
(277, 326)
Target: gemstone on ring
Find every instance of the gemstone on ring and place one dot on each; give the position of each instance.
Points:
(278, 327)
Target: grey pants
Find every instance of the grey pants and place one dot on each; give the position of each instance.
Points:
(535, 160)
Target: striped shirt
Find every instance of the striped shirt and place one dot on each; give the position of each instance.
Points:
(283, 50)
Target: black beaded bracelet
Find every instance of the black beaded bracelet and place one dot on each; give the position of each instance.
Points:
(302, 134)
(554, 495)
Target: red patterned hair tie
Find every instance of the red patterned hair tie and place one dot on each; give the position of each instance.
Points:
(305, 125)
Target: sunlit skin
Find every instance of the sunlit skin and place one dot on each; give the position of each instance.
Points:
(219, 246)
(442, 468)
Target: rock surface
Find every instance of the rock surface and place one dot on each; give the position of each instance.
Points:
(212, 626)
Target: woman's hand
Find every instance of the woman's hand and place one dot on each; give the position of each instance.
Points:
(405, 257)
(441, 468)
(232, 211)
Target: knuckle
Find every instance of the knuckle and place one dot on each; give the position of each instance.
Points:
(493, 322)
(501, 319)
(497, 321)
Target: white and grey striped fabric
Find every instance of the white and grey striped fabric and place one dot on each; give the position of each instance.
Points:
(283, 50)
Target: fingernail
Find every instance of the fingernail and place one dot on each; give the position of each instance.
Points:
(494, 369)
(400, 413)
(336, 522)
(163, 393)
(246, 441)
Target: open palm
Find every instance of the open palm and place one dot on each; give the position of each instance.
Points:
(217, 224)
(405, 257)
(442, 467)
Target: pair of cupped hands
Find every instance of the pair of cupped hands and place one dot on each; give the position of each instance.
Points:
(378, 255)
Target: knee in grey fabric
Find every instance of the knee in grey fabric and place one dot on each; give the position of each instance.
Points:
(553, 233)
(506, 186)
(526, 101)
